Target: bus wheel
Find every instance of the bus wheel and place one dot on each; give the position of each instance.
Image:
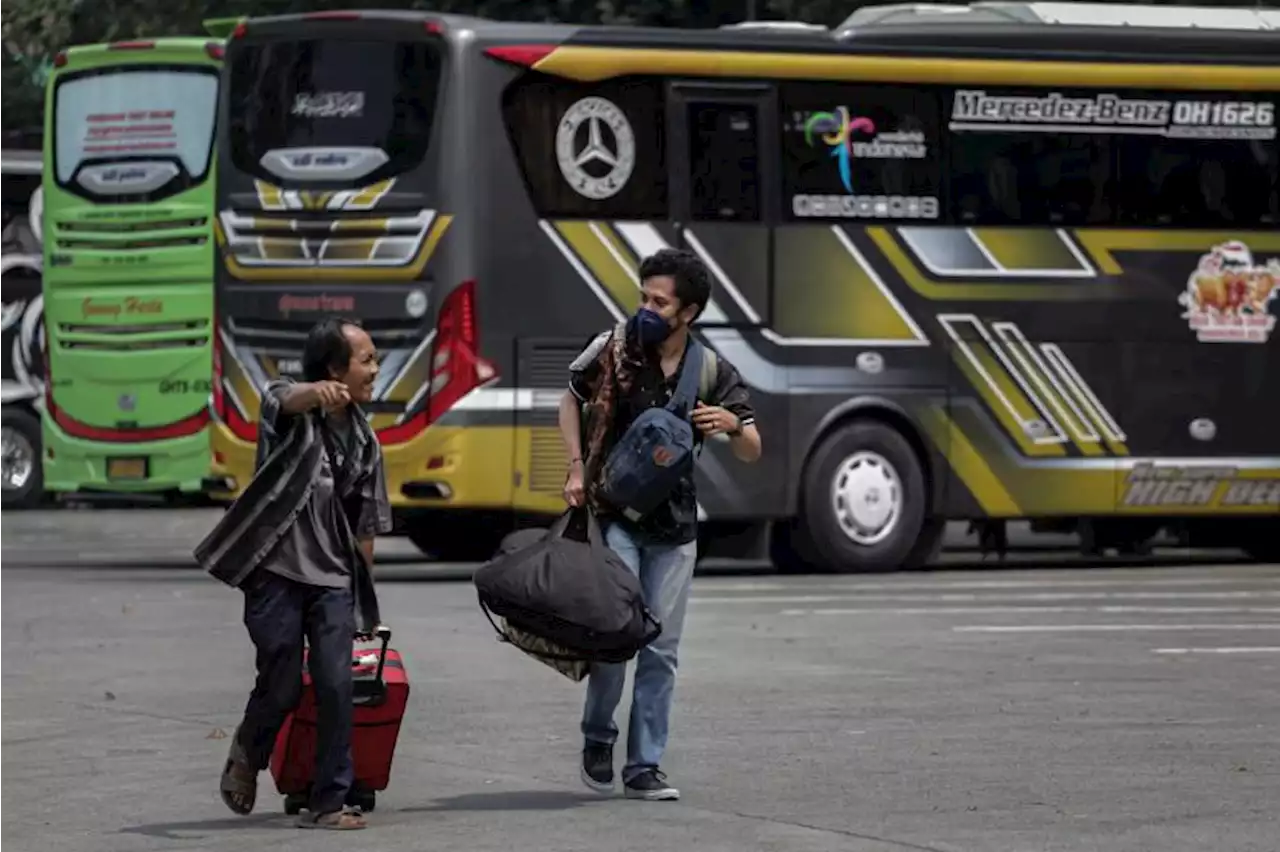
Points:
(22, 472)
(864, 502)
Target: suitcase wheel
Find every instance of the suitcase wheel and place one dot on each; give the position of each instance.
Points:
(294, 803)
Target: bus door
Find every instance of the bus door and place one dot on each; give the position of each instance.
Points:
(722, 145)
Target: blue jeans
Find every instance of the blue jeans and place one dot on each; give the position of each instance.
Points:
(666, 573)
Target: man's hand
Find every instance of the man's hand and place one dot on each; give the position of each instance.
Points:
(714, 420)
(330, 394)
(574, 487)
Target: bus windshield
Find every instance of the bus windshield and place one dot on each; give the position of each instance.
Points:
(331, 109)
(152, 115)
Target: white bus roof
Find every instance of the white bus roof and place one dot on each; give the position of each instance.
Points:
(1068, 14)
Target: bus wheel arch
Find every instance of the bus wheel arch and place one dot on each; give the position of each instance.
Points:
(23, 462)
(865, 494)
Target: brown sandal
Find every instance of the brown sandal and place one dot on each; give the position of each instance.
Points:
(239, 783)
(333, 821)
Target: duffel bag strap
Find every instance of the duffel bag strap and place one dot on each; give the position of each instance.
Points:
(595, 536)
(502, 637)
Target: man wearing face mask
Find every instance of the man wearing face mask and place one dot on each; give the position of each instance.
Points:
(615, 385)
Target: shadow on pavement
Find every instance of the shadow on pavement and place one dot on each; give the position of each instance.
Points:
(513, 800)
(170, 830)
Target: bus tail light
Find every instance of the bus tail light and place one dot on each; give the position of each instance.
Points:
(215, 50)
(456, 368)
(527, 55)
(60, 59)
(240, 31)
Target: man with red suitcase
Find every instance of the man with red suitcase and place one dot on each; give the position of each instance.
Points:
(299, 543)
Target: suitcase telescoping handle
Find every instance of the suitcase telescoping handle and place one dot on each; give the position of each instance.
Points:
(382, 632)
(377, 689)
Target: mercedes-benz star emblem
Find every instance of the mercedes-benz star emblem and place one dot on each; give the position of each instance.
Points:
(596, 162)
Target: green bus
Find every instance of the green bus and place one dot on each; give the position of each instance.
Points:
(128, 290)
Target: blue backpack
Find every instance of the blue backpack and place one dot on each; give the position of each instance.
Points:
(646, 464)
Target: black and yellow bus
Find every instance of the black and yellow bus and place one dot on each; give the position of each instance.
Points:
(975, 264)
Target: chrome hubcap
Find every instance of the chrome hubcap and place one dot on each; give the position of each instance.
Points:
(19, 459)
(866, 494)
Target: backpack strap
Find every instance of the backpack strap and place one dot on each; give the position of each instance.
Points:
(618, 340)
(707, 379)
(690, 375)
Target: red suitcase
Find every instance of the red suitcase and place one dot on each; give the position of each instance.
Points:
(381, 693)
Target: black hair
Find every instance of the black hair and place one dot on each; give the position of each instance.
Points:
(327, 349)
(693, 282)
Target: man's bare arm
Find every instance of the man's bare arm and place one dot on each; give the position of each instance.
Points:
(308, 395)
(746, 444)
(571, 425)
(366, 547)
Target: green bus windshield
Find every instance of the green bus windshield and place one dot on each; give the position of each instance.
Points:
(112, 115)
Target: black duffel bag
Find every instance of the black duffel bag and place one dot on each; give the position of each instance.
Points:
(577, 596)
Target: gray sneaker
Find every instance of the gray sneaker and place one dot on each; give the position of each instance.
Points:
(651, 786)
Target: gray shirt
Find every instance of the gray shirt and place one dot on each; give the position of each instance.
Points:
(316, 548)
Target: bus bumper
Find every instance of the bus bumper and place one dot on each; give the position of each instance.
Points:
(73, 464)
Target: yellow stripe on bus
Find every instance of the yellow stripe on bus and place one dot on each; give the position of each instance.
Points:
(591, 64)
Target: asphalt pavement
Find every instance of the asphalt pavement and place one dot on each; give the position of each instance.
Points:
(164, 538)
(1047, 707)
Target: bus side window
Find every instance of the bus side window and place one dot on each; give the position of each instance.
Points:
(861, 152)
(1204, 182)
(724, 162)
(1019, 177)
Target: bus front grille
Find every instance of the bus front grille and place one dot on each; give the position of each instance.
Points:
(133, 337)
(132, 236)
(325, 239)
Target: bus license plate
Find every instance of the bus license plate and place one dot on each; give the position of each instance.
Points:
(127, 468)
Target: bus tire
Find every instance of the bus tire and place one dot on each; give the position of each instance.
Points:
(22, 460)
(864, 502)
(928, 544)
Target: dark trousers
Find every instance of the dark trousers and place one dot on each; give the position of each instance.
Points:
(280, 613)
